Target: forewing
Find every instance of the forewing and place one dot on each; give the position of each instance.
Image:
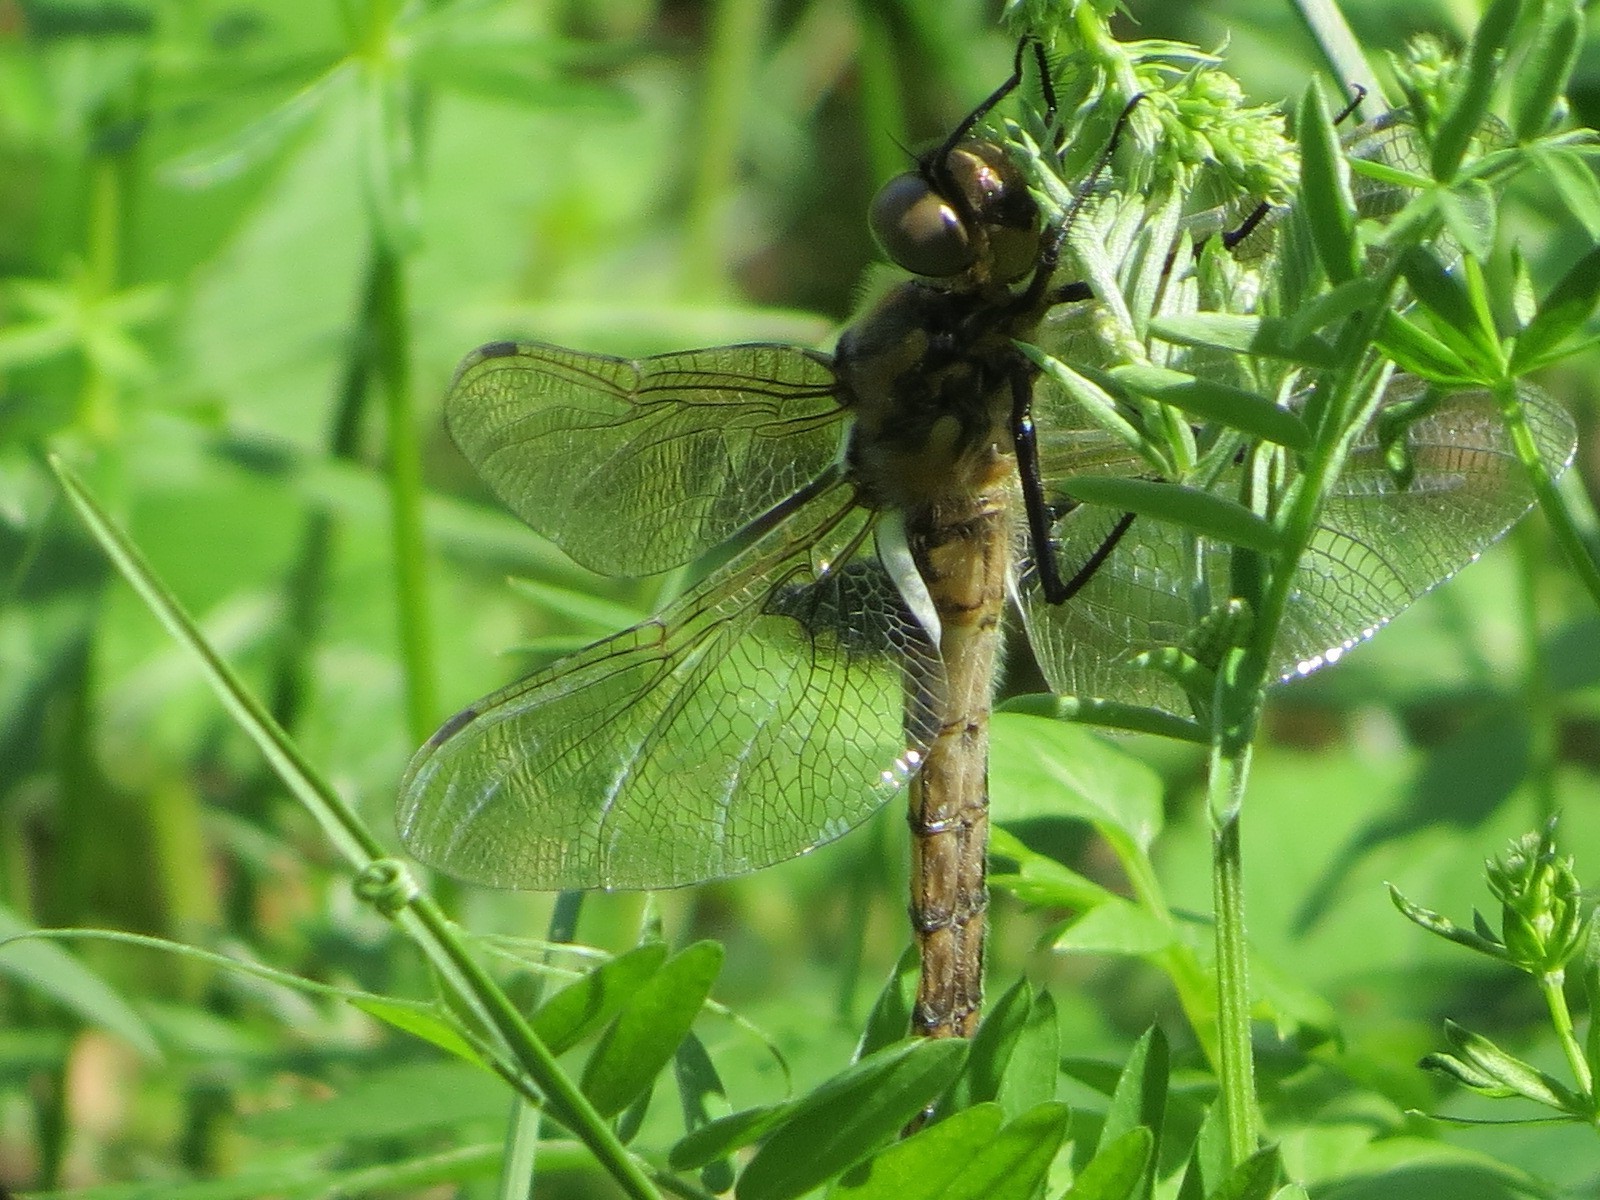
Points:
(773, 708)
(637, 467)
(1378, 548)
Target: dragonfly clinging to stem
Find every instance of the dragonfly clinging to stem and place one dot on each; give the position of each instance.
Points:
(881, 502)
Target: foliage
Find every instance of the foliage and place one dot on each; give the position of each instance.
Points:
(237, 244)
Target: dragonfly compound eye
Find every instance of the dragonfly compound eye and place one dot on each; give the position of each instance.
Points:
(918, 229)
(997, 198)
(976, 212)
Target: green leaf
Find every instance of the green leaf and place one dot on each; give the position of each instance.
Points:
(1140, 1098)
(1253, 1179)
(1234, 407)
(1444, 927)
(1507, 1069)
(1014, 1164)
(1030, 1076)
(847, 1117)
(703, 1100)
(431, 1027)
(1574, 181)
(992, 1048)
(1042, 881)
(50, 971)
(722, 1137)
(1266, 337)
(1325, 196)
(1591, 999)
(1117, 1170)
(919, 1167)
(1466, 113)
(1117, 926)
(1414, 349)
(643, 1038)
(1562, 313)
(1042, 769)
(1537, 85)
(890, 1019)
(1456, 320)
(1203, 512)
(585, 1005)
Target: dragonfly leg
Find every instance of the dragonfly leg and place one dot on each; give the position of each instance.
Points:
(1040, 517)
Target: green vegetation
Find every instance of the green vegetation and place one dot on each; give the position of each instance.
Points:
(241, 250)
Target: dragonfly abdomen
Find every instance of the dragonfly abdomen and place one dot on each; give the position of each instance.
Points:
(960, 547)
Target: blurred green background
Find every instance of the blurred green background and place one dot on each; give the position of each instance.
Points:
(233, 236)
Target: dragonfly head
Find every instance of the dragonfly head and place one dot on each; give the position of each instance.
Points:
(969, 215)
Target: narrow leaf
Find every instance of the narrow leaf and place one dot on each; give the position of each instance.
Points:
(1117, 1170)
(1563, 311)
(50, 971)
(1267, 337)
(918, 1168)
(1254, 1179)
(1414, 349)
(1466, 114)
(703, 1100)
(849, 1116)
(1457, 321)
(1140, 1098)
(645, 1035)
(585, 1005)
(1325, 197)
(1234, 407)
(1537, 85)
(1015, 1162)
(1207, 514)
(419, 1023)
(1030, 1076)
(722, 1137)
(890, 1019)
(992, 1048)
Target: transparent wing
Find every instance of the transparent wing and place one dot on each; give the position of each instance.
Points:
(1378, 548)
(637, 467)
(773, 708)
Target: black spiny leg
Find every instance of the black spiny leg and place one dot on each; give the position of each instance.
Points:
(1040, 519)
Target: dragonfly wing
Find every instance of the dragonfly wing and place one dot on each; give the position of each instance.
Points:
(1377, 548)
(771, 709)
(1380, 546)
(1137, 600)
(637, 467)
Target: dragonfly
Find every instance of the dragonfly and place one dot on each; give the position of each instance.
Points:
(872, 510)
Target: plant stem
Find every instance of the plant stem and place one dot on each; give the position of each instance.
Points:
(389, 325)
(1564, 522)
(1555, 999)
(1230, 768)
(518, 1055)
(1537, 699)
(737, 28)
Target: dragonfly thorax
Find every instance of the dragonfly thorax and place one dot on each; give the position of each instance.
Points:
(929, 382)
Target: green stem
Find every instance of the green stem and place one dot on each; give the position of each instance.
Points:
(737, 29)
(518, 1053)
(1555, 999)
(1229, 770)
(1564, 521)
(1538, 702)
(388, 320)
